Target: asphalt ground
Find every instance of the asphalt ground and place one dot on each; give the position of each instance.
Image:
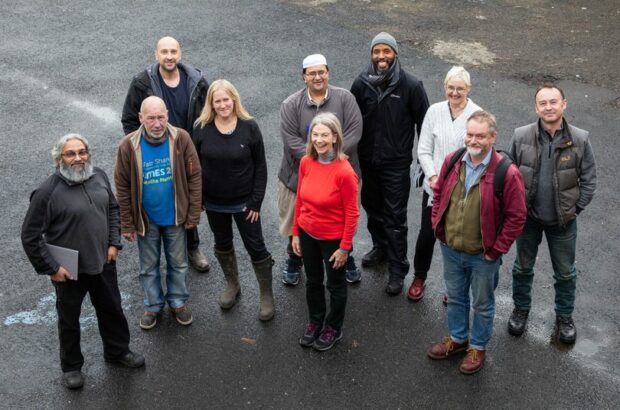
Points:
(65, 67)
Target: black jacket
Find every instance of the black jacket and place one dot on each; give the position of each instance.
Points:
(390, 124)
(81, 216)
(147, 83)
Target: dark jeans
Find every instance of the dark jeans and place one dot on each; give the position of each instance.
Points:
(251, 233)
(193, 240)
(385, 193)
(316, 254)
(106, 298)
(425, 244)
(562, 243)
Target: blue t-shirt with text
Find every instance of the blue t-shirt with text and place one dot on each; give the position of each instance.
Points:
(157, 183)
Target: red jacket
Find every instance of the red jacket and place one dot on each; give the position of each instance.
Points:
(500, 227)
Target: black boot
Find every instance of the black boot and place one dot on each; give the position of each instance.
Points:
(565, 330)
(374, 257)
(395, 285)
(517, 321)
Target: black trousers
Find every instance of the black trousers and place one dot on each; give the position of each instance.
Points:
(385, 193)
(425, 244)
(316, 254)
(251, 233)
(193, 240)
(106, 298)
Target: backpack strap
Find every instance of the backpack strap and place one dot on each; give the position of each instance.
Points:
(500, 175)
(458, 154)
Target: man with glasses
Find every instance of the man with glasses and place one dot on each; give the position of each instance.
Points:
(158, 182)
(475, 228)
(393, 104)
(184, 90)
(296, 113)
(75, 210)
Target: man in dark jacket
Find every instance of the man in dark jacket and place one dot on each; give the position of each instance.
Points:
(184, 90)
(558, 168)
(475, 228)
(393, 104)
(75, 209)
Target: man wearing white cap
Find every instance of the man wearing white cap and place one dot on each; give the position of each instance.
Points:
(296, 113)
(393, 104)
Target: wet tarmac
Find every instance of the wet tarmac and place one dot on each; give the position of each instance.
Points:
(66, 66)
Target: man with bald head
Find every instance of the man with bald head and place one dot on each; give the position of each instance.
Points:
(158, 185)
(184, 90)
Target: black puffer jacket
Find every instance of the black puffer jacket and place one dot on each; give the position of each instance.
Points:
(147, 83)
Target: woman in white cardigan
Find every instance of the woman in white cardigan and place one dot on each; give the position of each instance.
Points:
(442, 132)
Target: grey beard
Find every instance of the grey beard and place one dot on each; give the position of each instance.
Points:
(76, 176)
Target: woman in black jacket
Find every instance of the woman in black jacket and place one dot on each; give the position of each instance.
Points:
(234, 176)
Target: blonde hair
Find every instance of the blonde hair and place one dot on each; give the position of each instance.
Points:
(208, 114)
(330, 121)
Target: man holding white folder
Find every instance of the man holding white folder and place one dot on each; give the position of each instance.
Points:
(71, 232)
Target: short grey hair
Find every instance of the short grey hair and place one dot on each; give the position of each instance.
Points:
(486, 117)
(458, 73)
(60, 144)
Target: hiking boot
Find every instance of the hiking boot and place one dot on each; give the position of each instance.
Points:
(444, 299)
(517, 321)
(198, 260)
(311, 333)
(183, 315)
(228, 262)
(446, 348)
(352, 272)
(565, 330)
(473, 362)
(327, 339)
(374, 257)
(149, 320)
(292, 271)
(129, 359)
(263, 271)
(416, 290)
(73, 379)
(395, 285)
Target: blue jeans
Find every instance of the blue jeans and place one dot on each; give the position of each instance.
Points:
(464, 272)
(175, 249)
(562, 243)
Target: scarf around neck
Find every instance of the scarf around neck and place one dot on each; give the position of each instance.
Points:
(384, 83)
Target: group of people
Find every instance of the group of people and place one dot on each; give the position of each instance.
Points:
(191, 146)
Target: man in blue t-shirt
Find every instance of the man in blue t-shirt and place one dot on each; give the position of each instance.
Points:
(184, 90)
(158, 184)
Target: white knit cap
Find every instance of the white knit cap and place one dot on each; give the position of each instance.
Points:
(314, 59)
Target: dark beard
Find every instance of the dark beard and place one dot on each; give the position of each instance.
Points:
(77, 176)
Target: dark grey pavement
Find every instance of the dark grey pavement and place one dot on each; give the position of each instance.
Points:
(65, 67)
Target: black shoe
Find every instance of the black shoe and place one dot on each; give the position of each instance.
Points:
(374, 257)
(129, 359)
(310, 335)
(73, 380)
(395, 285)
(565, 330)
(517, 321)
(328, 338)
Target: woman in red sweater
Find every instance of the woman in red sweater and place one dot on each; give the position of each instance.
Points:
(326, 216)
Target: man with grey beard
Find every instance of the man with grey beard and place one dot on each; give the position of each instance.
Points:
(76, 209)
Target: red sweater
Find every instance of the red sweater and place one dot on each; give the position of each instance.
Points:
(326, 203)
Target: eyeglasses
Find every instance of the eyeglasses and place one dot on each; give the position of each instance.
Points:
(83, 153)
(458, 90)
(313, 74)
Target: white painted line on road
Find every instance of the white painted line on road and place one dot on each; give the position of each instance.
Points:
(106, 115)
(45, 313)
